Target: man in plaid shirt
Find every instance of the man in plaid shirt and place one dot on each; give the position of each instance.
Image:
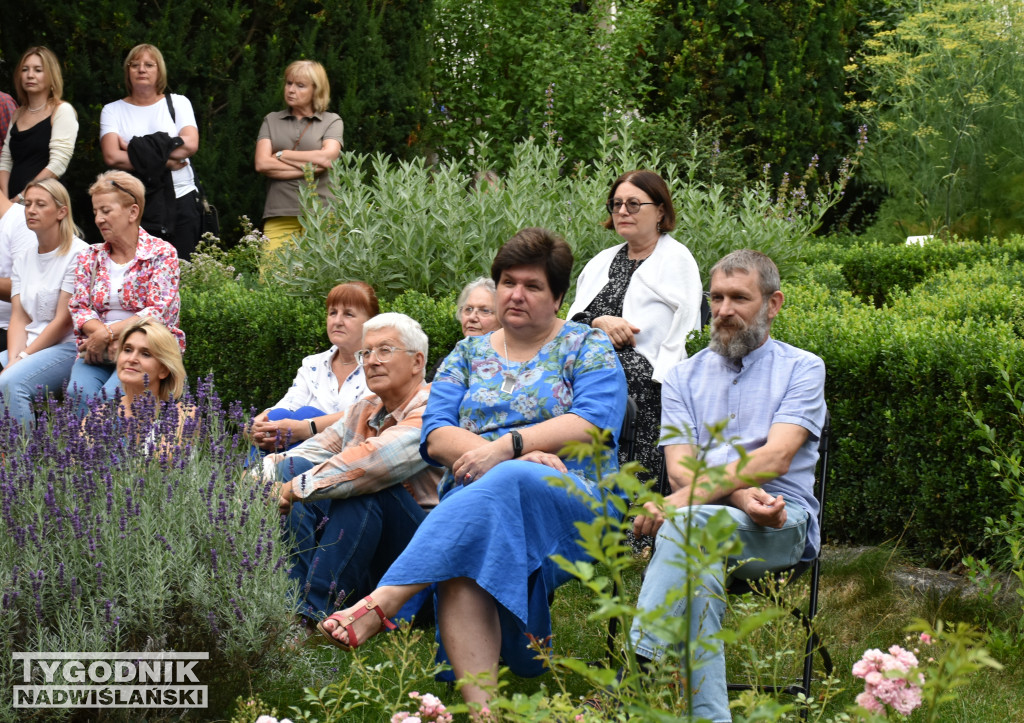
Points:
(356, 492)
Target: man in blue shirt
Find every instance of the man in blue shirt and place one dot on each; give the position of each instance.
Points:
(771, 397)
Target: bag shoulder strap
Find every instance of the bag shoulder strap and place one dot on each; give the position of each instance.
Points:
(170, 105)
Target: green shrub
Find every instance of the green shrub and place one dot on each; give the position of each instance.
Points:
(944, 91)
(897, 381)
(403, 227)
(874, 271)
(252, 340)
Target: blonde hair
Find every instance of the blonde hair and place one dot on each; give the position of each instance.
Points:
(315, 74)
(66, 230)
(123, 183)
(161, 66)
(165, 350)
(51, 66)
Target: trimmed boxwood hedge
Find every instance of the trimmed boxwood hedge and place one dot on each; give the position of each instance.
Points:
(874, 271)
(906, 461)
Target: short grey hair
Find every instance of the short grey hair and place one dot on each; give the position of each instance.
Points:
(469, 288)
(409, 330)
(746, 261)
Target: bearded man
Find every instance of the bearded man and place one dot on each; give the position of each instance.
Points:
(770, 396)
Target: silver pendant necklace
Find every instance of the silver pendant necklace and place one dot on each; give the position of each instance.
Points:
(510, 380)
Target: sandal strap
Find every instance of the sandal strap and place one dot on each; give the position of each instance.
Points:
(371, 604)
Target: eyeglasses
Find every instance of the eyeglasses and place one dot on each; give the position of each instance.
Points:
(383, 354)
(632, 205)
(481, 311)
(135, 65)
(119, 187)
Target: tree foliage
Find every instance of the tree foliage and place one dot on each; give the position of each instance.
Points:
(548, 69)
(228, 59)
(769, 72)
(945, 97)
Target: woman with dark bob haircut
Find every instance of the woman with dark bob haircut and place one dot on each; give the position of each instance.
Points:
(645, 294)
(501, 408)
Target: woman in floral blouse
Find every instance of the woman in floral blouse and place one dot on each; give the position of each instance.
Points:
(128, 276)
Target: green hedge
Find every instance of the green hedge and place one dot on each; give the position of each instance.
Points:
(906, 462)
(873, 271)
(253, 340)
(906, 459)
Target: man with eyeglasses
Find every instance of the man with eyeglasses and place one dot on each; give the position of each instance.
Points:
(355, 492)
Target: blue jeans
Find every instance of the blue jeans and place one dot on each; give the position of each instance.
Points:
(344, 546)
(42, 372)
(777, 549)
(88, 381)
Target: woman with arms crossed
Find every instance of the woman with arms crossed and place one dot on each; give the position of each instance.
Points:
(305, 133)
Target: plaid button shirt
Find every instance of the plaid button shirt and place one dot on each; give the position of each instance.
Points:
(366, 451)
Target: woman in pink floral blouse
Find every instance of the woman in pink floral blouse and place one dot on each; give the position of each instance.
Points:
(128, 276)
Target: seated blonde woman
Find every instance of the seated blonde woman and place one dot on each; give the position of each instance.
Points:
(149, 362)
(151, 372)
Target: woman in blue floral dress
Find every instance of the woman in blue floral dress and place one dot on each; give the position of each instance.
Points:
(501, 408)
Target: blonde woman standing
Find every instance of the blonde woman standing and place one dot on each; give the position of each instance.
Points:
(132, 139)
(305, 133)
(41, 138)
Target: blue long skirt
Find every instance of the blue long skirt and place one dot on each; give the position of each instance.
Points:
(501, 532)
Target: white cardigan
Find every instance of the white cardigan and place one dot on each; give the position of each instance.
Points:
(663, 299)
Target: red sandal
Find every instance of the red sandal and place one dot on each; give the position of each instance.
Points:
(346, 622)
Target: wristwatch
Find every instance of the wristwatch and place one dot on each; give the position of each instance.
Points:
(278, 155)
(24, 355)
(517, 444)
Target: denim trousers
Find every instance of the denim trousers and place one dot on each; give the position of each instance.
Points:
(88, 381)
(775, 549)
(342, 547)
(40, 373)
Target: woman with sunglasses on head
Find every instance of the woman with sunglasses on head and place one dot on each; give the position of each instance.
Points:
(645, 294)
(41, 347)
(128, 276)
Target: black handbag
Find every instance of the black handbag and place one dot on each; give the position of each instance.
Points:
(209, 218)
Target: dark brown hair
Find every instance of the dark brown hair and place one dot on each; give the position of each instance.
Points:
(537, 247)
(358, 294)
(654, 186)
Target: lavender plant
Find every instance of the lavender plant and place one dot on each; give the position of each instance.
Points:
(139, 534)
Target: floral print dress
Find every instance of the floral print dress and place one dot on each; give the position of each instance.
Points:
(502, 529)
(639, 372)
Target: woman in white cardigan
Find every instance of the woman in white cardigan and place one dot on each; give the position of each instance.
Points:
(645, 294)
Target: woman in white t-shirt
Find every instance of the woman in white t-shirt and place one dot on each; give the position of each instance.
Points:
(127, 139)
(40, 344)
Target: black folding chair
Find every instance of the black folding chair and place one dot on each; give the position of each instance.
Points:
(813, 642)
(738, 586)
